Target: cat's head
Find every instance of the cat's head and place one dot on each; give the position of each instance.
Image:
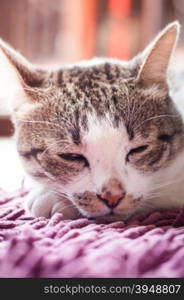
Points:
(105, 133)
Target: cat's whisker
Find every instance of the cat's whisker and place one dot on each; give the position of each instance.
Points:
(147, 204)
(138, 137)
(153, 195)
(67, 122)
(79, 214)
(156, 194)
(139, 108)
(50, 147)
(142, 104)
(46, 123)
(48, 175)
(165, 184)
(59, 194)
(129, 110)
(64, 204)
(40, 122)
(33, 91)
(133, 112)
(67, 206)
(156, 117)
(53, 124)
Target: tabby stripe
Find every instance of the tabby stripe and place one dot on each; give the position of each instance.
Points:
(38, 175)
(60, 78)
(108, 71)
(157, 159)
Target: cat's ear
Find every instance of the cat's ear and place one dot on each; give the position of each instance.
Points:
(157, 55)
(17, 78)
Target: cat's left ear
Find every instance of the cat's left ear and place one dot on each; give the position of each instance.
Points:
(157, 55)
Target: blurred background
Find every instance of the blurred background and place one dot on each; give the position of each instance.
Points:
(52, 32)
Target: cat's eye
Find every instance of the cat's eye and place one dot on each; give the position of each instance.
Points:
(136, 150)
(74, 157)
(165, 137)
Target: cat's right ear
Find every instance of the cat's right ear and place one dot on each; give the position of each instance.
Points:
(17, 78)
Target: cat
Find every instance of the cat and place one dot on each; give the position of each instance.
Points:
(100, 139)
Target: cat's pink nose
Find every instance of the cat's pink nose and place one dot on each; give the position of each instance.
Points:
(111, 200)
(112, 193)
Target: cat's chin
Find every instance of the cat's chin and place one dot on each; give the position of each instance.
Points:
(108, 218)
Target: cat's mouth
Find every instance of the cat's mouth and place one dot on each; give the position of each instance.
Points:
(94, 209)
(110, 217)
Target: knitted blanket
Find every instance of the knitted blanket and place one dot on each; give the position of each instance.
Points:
(151, 246)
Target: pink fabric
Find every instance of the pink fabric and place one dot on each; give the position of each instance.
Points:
(150, 246)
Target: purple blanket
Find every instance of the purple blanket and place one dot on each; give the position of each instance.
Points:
(150, 246)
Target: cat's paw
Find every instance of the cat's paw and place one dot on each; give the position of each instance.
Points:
(41, 203)
(68, 210)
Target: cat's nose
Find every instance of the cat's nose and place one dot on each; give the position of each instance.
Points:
(111, 200)
(112, 193)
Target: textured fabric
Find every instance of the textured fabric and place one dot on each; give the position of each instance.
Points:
(150, 246)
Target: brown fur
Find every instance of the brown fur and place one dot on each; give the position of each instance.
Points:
(54, 118)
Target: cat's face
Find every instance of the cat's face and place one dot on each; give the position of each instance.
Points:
(101, 133)
(100, 140)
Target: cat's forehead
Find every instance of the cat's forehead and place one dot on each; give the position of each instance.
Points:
(103, 128)
(104, 86)
(102, 139)
(90, 80)
(109, 89)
